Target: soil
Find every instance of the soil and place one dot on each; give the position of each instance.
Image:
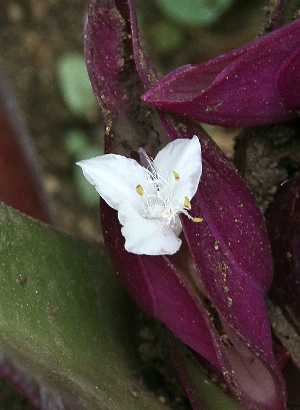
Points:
(35, 34)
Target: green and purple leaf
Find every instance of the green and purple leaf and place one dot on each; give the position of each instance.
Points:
(66, 325)
(204, 394)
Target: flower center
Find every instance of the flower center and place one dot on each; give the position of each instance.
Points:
(157, 201)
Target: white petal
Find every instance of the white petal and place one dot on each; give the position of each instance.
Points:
(115, 177)
(184, 157)
(146, 236)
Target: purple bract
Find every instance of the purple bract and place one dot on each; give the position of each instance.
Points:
(211, 293)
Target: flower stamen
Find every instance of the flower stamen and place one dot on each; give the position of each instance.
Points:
(176, 175)
(140, 190)
(187, 203)
(197, 220)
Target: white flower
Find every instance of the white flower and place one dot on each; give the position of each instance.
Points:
(150, 196)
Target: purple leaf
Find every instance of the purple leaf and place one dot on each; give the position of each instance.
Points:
(283, 221)
(213, 297)
(103, 62)
(252, 85)
(37, 394)
(233, 259)
(21, 184)
(115, 81)
(288, 81)
(160, 288)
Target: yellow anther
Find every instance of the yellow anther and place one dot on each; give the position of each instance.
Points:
(176, 175)
(187, 203)
(139, 189)
(169, 213)
(197, 219)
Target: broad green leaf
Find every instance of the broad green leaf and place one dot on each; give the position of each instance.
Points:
(203, 12)
(65, 319)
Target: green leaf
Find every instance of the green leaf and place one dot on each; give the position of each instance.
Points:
(75, 84)
(77, 144)
(202, 12)
(65, 319)
(75, 141)
(86, 191)
(167, 37)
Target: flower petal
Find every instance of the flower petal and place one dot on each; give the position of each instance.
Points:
(115, 177)
(184, 157)
(238, 88)
(146, 236)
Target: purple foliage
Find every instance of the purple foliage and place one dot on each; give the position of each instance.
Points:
(21, 186)
(210, 294)
(35, 392)
(283, 221)
(255, 84)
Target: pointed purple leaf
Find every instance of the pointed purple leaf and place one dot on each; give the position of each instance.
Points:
(229, 248)
(103, 62)
(247, 86)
